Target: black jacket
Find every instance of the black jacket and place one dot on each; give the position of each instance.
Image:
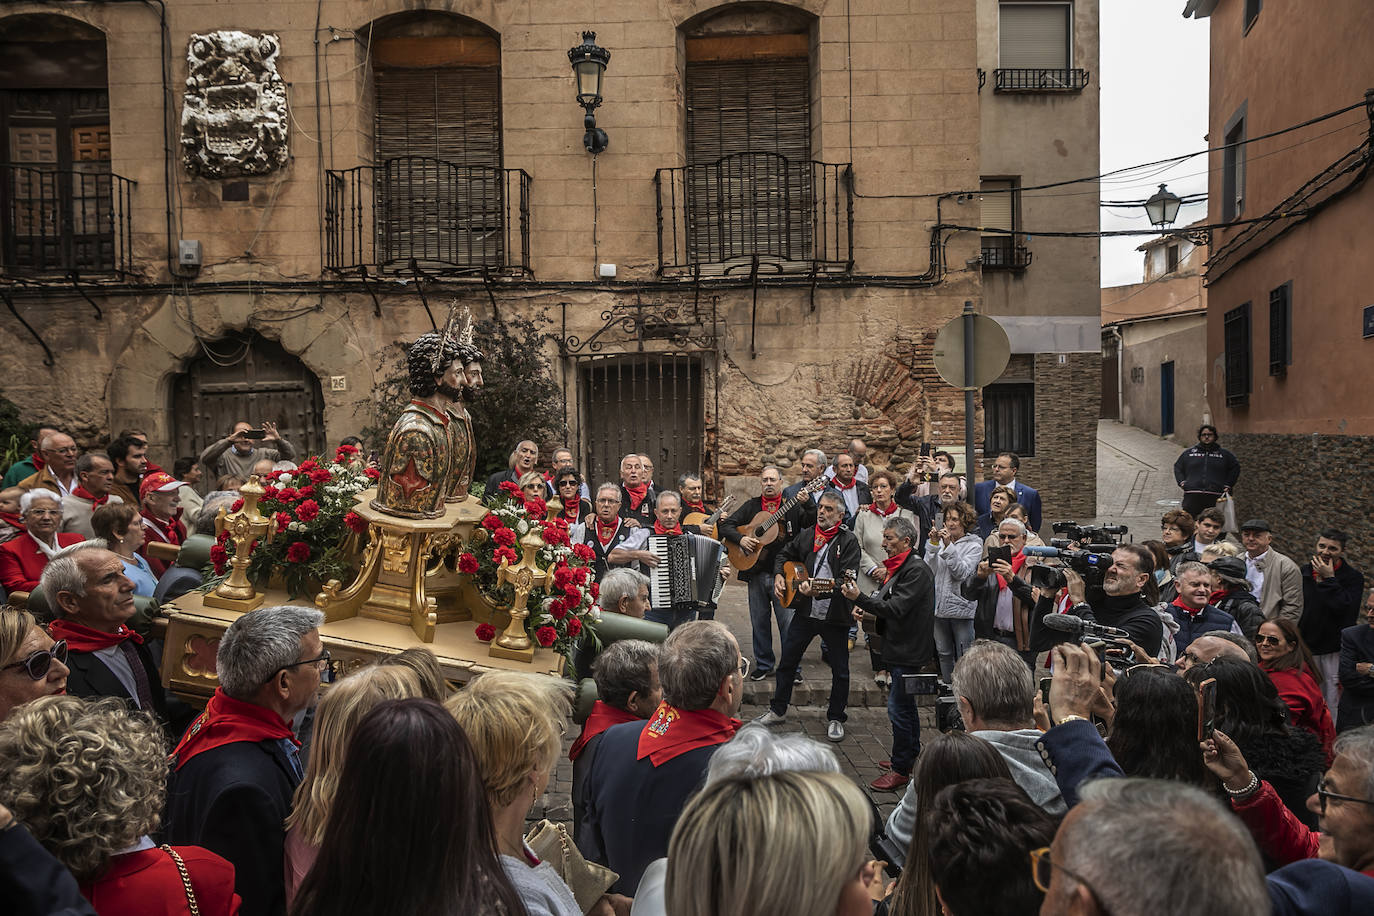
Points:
(905, 608)
(1191, 627)
(925, 508)
(233, 800)
(844, 555)
(1125, 612)
(792, 521)
(1206, 469)
(984, 591)
(1244, 609)
(645, 513)
(1329, 606)
(90, 678)
(1357, 690)
(32, 882)
(495, 480)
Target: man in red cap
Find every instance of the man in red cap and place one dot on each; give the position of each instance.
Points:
(161, 516)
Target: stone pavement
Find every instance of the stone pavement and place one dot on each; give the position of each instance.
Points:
(1135, 478)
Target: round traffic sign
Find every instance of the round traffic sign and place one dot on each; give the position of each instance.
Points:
(991, 352)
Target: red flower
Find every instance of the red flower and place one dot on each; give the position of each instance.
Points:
(503, 537)
(308, 464)
(554, 535)
(546, 636)
(580, 575)
(345, 452)
(584, 553)
(486, 632)
(573, 594)
(269, 491)
(355, 522)
(283, 519)
(298, 552)
(504, 553)
(308, 511)
(222, 538)
(574, 626)
(467, 563)
(491, 522)
(238, 504)
(305, 491)
(372, 473)
(511, 487)
(536, 508)
(559, 610)
(220, 557)
(320, 475)
(595, 589)
(562, 577)
(287, 494)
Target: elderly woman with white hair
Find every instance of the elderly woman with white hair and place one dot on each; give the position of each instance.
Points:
(22, 559)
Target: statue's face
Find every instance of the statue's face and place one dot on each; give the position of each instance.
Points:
(473, 375)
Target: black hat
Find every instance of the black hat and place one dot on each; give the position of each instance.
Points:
(1256, 524)
(1231, 567)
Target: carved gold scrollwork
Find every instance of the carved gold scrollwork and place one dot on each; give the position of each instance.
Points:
(395, 553)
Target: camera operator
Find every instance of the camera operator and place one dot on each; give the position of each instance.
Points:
(1118, 603)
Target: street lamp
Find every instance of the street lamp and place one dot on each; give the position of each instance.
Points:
(1162, 208)
(589, 65)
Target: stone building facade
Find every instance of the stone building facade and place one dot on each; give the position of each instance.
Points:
(775, 202)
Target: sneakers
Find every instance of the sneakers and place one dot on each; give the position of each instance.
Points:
(834, 731)
(890, 781)
(770, 718)
(882, 679)
(757, 675)
(799, 677)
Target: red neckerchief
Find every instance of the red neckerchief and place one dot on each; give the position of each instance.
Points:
(844, 486)
(609, 529)
(226, 721)
(893, 563)
(695, 507)
(1335, 565)
(823, 536)
(95, 501)
(883, 513)
(776, 503)
(38, 461)
(659, 529)
(1191, 612)
(602, 717)
(172, 530)
(81, 638)
(636, 493)
(1217, 596)
(671, 732)
(1016, 563)
(13, 519)
(570, 511)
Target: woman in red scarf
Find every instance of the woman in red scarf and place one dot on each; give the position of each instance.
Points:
(1286, 659)
(868, 528)
(568, 488)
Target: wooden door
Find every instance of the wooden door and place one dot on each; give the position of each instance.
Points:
(646, 404)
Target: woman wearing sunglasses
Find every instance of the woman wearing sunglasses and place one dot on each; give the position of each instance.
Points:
(1285, 658)
(568, 488)
(31, 664)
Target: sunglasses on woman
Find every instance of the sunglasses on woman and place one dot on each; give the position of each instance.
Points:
(1263, 640)
(39, 663)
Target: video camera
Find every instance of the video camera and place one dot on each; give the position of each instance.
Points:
(947, 718)
(1113, 646)
(1091, 558)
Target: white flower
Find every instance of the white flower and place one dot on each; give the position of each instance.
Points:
(523, 527)
(547, 605)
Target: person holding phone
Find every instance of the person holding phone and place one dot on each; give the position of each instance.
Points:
(244, 447)
(1002, 589)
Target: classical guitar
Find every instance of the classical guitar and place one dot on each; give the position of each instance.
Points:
(765, 527)
(706, 524)
(794, 574)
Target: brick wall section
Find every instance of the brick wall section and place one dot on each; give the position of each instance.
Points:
(1302, 484)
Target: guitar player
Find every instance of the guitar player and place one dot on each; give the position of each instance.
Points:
(763, 604)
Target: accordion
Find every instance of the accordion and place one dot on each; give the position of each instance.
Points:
(687, 571)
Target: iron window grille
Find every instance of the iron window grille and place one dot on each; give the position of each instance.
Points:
(1236, 350)
(1027, 79)
(1009, 418)
(1280, 325)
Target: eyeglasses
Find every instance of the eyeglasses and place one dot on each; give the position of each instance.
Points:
(1127, 672)
(69, 450)
(329, 671)
(1323, 795)
(743, 666)
(1042, 870)
(1263, 640)
(39, 663)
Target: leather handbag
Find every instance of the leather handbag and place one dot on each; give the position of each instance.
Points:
(588, 880)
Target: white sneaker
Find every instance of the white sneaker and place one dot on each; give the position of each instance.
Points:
(771, 718)
(835, 730)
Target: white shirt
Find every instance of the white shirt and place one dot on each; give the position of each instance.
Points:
(820, 607)
(1254, 574)
(860, 473)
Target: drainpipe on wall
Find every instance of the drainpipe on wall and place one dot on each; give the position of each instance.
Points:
(1120, 382)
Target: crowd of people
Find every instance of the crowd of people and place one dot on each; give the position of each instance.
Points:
(1203, 745)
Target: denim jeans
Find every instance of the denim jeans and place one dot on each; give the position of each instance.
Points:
(799, 635)
(762, 607)
(952, 639)
(906, 723)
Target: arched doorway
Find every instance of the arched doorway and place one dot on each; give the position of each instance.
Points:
(246, 377)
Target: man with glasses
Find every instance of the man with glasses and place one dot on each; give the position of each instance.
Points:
(58, 473)
(237, 767)
(606, 532)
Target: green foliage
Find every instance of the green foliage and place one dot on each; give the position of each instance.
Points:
(15, 433)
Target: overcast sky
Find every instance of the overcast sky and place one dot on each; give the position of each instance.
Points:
(1153, 79)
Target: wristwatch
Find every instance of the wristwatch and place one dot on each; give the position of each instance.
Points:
(1070, 718)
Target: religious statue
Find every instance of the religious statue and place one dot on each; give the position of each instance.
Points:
(464, 445)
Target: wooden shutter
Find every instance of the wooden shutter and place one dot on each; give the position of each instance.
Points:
(1034, 36)
(1280, 320)
(1236, 349)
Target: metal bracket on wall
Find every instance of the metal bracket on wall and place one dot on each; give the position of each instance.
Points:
(420, 288)
(1199, 237)
(99, 315)
(376, 306)
(47, 357)
(638, 322)
(754, 310)
(491, 296)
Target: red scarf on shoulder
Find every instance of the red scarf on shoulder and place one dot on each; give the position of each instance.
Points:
(894, 563)
(672, 732)
(602, 717)
(13, 519)
(1191, 612)
(1016, 563)
(844, 486)
(637, 494)
(95, 501)
(609, 529)
(226, 721)
(695, 507)
(38, 462)
(770, 504)
(823, 536)
(659, 529)
(882, 513)
(81, 638)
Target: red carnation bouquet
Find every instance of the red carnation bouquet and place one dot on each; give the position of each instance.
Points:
(559, 608)
(313, 507)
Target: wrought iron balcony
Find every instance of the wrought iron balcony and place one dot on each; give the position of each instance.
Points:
(447, 218)
(999, 256)
(722, 217)
(1039, 80)
(63, 221)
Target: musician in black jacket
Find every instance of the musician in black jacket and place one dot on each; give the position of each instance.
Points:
(606, 532)
(905, 608)
(763, 606)
(828, 551)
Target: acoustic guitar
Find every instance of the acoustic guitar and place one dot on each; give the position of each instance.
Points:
(794, 574)
(706, 524)
(764, 526)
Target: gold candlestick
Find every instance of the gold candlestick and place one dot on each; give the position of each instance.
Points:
(525, 576)
(245, 526)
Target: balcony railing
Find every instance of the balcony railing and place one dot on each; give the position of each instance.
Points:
(446, 218)
(718, 217)
(998, 256)
(62, 221)
(1039, 80)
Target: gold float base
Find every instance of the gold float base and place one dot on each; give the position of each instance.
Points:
(243, 605)
(515, 655)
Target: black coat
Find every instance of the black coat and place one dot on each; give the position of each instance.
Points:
(844, 555)
(792, 521)
(905, 608)
(90, 678)
(645, 513)
(1206, 469)
(925, 508)
(1190, 628)
(1357, 690)
(233, 800)
(32, 882)
(495, 480)
(1329, 606)
(1244, 609)
(1125, 612)
(984, 591)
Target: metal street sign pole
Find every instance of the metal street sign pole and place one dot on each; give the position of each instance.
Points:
(971, 351)
(969, 384)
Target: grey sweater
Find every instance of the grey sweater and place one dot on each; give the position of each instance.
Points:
(541, 889)
(221, 459)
